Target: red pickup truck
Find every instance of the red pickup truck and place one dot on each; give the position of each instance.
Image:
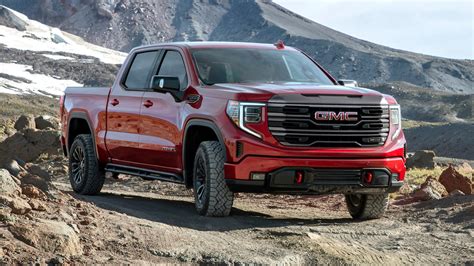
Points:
(222, 118)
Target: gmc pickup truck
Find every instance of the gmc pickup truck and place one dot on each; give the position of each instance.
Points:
(222, 118)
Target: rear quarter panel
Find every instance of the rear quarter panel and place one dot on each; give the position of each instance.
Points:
(88, 103)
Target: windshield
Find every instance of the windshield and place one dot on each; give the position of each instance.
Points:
(237, 65)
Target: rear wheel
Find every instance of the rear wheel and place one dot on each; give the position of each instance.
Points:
(212, 196)
(370, 206)
(85, 176)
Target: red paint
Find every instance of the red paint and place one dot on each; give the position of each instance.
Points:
(146, 129)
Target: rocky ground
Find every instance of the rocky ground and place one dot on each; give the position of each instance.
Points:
(431, 221)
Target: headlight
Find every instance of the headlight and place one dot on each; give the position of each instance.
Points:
(396, 120)
(243, 113)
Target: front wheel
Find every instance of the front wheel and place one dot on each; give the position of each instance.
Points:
(212, 196)
(85, 176)
(370, 206)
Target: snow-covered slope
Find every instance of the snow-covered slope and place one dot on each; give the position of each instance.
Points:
(35, 58)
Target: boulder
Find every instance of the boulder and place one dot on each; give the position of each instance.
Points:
(37, 170)
(421, 159)
(37, 205)
(46, 122)
(30, 179)
(431, 189)
(453, 180)
(48, 236)
(25, 122)
(28, 145)
(13, 167)
(32, 192)
(106, 8)
(7, 184)
(19, 206)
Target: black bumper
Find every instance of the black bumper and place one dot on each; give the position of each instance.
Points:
(320, 181)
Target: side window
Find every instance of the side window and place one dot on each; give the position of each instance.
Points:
(138, 74)
(173, 65)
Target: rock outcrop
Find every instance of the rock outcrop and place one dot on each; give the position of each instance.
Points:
(453, 180)
(25, 122)
(431, 189)
(28, 145)
(49, 236)
(421, 159)
(7, 185)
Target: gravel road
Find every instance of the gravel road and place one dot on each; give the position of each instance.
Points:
(141, 221)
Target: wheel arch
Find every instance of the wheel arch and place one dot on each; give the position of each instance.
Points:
(208, 131)
(79, 123)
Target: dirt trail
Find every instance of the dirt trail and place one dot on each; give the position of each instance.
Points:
(162, 226)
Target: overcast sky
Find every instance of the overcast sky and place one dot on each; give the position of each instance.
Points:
(436, 27)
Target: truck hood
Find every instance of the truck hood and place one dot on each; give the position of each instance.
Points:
(309, 93)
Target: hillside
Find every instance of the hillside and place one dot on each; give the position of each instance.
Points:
(39, 59)
(124, 24)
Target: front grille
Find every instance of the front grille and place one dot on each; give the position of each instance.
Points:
(295, 125)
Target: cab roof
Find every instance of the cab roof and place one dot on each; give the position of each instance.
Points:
(210, 45)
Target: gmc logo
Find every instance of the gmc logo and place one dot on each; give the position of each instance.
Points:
(330, 116)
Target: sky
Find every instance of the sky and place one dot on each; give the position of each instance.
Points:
(436, 27)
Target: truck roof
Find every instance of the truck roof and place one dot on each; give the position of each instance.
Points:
(210, 44)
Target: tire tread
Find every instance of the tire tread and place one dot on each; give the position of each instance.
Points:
(94, 177)
(220, 199)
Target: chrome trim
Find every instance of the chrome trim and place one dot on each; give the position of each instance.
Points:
(241, 117)
(399, 129)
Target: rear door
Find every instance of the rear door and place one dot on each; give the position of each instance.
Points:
(125, 102)
(160, 117)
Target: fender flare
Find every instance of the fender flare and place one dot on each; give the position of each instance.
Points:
(85, 117)
(204, 123)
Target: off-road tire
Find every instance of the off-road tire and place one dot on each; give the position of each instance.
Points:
(370, 206)
(216, 199)
(92, 178)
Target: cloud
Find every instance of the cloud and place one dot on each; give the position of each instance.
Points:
(436, 27)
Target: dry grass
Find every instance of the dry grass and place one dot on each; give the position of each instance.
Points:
(12, 106)
(16, 105)
(414, 124)
(417, 176)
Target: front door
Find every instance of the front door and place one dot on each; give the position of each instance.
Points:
(123, 113)
(160, 117)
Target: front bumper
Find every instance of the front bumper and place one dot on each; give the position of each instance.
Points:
(320, 176)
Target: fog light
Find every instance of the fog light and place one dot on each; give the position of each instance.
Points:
(257, 176)
(299, 177)
(368, 177)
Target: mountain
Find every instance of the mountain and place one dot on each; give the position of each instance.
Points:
(39, 59)
(123, 24)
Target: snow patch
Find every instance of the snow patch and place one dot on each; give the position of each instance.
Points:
(41, 38)
(27, 82)
(58, 57)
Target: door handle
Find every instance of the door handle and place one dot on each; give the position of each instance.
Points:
(114, 102)
(148, 104)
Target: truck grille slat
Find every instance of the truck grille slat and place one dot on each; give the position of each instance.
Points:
(295, 125)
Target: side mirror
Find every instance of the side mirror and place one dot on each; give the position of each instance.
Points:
(348, 83)
(164, 83)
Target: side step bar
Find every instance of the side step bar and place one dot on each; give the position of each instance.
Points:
(144, 173)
